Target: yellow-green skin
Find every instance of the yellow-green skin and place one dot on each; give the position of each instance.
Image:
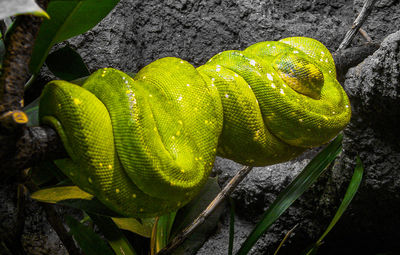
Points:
(145, 146)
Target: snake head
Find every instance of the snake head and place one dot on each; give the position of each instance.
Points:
(299, 73)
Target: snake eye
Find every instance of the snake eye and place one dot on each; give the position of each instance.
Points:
(300, 74)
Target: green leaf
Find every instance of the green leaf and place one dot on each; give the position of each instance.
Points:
(163, 229)
(74, 197)
(68, 19)
(67, 64)
(191, 211)
(16, 7)
(57, 194)
(143, 227)
(32, 111)
(89, 241)
(116, 239)
(2, 51)
(295, 189)
(348, 197)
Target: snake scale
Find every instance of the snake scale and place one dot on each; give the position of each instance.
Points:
(144, 146)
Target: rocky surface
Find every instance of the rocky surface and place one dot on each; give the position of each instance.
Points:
(139, 32)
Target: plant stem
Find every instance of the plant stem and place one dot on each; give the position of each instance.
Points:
(226, 191)
(361, 18)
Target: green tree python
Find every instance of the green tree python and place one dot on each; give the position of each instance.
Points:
(144, 146)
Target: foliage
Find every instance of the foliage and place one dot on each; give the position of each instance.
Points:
(14, 7)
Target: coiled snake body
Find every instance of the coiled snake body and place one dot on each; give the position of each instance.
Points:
(146, 145)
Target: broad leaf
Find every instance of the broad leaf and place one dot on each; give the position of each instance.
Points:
(68, 19)
(142, 228)
(67, 64)
(295, 189)
(16, 7)
(74, 197)
(88, 240)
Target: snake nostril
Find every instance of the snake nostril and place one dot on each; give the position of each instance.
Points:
(299, 73)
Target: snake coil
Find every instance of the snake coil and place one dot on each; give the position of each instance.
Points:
(146, 145)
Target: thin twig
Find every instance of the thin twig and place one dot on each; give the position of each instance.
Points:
(365, 11)
(365, 35)
(285, 238)
(227, 190)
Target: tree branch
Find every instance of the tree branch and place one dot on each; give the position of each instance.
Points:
(365, 11)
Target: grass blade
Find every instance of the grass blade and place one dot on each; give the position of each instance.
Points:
(295, 189)
(231, 226)
(348, 197)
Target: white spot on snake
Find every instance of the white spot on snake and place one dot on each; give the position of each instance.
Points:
(273, 47)
(116, 190)
(282, 92)
(270, 77)
(326, 60)
(188, 85)
(90, 180)
(180, 98)
(212, 79)
(322, 52)
(347, 106)
(333, 112)
(284, 85)
(321, 60)
(218, 68)
(183, 62)
(329, 71)
(236, 75)
(273, 86)
(252, 62)
(226, 95)
(295, 51)
(109, 166)
(126, 82)
(123, 77)
(134, 195)
(268, 45)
